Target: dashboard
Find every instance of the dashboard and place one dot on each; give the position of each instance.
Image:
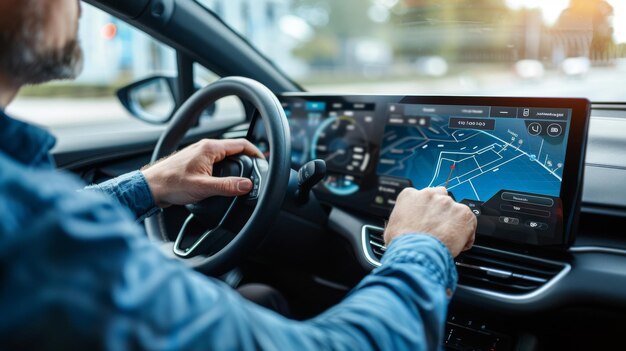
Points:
(505, 290)
(516, 162)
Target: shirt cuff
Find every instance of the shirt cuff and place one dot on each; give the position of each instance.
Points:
(132, 191)
(427, 251)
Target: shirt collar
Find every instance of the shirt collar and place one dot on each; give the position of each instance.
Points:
(25, 143)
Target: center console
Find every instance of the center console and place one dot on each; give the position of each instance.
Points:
(517, 163)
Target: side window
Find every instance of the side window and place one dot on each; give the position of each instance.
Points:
(228, 108)
(115, 54)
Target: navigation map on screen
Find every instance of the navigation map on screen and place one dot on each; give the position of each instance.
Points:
(476, 151)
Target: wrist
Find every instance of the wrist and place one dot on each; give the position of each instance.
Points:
(156, 187)
(426, 250)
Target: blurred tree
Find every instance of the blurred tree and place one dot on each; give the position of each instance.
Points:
(459, 30)
(346, 18)
(478, 11)
(586, 29)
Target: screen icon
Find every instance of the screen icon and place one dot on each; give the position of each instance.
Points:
(536, 225)
(509, 220)
(554, 130)
(534, 128)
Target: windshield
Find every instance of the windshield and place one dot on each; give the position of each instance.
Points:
(565, 48)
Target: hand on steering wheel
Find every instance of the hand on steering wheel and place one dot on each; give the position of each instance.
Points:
(220, 230)
(187, 176)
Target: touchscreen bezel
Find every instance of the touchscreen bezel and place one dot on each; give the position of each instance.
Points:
(573, 171)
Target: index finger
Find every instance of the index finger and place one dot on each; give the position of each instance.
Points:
(241, 146)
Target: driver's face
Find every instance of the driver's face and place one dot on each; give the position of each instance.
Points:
(39, 40)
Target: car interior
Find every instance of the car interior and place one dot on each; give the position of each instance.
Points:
(544, 176)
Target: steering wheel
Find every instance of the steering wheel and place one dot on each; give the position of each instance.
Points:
(219, 231)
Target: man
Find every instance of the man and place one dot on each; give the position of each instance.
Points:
(77, 271)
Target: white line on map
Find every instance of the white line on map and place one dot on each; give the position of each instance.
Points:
(475, 193)
(472, 155)
(524, 153)
(518, 156)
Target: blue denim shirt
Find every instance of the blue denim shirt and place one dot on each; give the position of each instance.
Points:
(131, 190)
(77, 272)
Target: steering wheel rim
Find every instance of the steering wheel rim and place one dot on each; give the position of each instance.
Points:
(275, 183)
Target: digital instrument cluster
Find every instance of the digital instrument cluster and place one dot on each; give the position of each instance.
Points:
(517, 163)
(336, 132)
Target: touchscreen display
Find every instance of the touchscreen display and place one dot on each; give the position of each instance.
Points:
(516, 162)
(505, 163)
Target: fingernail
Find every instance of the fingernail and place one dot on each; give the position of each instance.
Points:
(244, 185)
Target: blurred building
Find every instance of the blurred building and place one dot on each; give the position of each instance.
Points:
(115, 51)
(460, 31)
(266, 24)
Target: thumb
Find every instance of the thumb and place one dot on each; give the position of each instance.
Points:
(228, 186)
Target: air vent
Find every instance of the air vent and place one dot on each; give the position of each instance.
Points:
(505, 273)
(373, 243)
(486, 270)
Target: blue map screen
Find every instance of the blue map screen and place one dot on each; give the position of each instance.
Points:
(476, 151)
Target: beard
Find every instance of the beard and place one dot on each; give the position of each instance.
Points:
(40, 67)
(25, 57)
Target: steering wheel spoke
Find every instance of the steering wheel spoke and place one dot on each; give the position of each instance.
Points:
(193, 237)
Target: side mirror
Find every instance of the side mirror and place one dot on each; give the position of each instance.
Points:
(151, 100)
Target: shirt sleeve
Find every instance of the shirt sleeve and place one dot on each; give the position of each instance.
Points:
(83, 275)
(132, 191)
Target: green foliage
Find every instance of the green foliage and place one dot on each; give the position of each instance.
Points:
(347, 18)
(68, 90)
(76, 89)
(415, 27)
(322, 48)
(458, 30)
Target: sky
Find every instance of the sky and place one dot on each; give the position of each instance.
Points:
(552, 9)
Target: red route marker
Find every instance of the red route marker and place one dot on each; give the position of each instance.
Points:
(450, 175)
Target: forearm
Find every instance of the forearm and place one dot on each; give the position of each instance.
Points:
(141, 299)
(400, 306)
(131, 190)
(118, 290)
(100, 281)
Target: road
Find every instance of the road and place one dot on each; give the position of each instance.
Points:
(601, 84)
